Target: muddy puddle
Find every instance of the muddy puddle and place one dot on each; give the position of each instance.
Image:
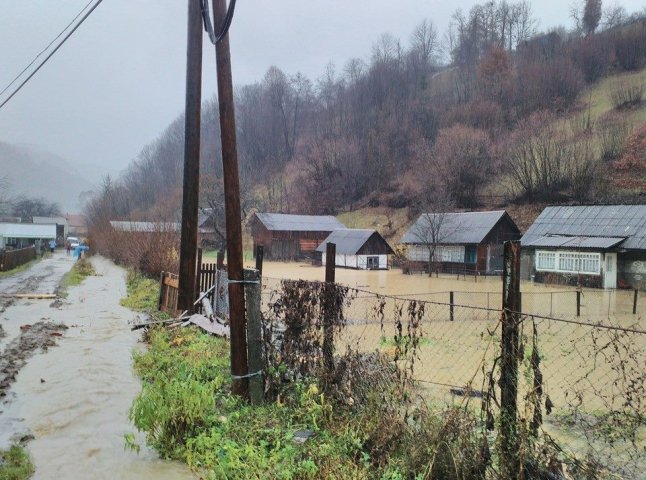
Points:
(74, 399)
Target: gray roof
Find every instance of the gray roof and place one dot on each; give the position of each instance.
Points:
(593, 221)
(126, 226)
(57, 219)
(299, 223)
(350, 240)
(455, 228)
(559, 241)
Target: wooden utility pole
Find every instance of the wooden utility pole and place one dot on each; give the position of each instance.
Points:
(509, 455)
(239, 367)
(328, 321)
(190, 196)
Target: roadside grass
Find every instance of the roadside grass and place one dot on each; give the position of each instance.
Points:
(188, 414)
(142, 292)
(19, 269)
(15, 464)
(80, 271)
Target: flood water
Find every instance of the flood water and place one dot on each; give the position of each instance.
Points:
(74, 399)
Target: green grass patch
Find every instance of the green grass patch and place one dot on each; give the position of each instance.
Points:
(80, 271)
(188, 414)
(15, 464)
(142, 292)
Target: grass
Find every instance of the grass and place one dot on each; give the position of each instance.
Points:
(188, 413)
(15, 464)
(142, 292)
(389, 222)
(20, 268)
(80, 271)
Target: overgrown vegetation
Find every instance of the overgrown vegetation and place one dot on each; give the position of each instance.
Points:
(15, 464)
(142, 292)
(186, 409)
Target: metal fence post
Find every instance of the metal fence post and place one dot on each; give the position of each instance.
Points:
(635, 302)
(578, 303)
(509, 445)
(254, 336)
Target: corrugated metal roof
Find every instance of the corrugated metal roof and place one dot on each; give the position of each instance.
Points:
(609, 221)
(575, 242)
(58, 220)
(125, 226)
(454, 228)
(299, 223)
(28, 230)
(350, 240)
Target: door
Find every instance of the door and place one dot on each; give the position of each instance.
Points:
(610, 271)
(373, 263)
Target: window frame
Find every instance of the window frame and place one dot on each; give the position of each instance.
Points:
(569, 261)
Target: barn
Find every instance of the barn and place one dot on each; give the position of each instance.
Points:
(462, 242)
(358, 248)
(21, 235)
(291, 237)
(600, 246)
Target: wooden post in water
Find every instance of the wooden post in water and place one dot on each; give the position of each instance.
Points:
(259, 258)
(578, 303)
(328, 325)
(238, 328)
(635, 302)
(190, 192)
(509, 446)
(254, 335)
(451, 306)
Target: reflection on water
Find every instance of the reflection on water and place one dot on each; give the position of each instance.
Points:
(75, 398)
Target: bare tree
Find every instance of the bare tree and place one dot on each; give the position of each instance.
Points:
(434, 226)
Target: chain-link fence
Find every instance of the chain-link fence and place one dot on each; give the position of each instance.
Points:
(591, 354)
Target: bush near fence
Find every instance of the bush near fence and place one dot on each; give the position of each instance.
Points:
(10, 259)
(147, 252)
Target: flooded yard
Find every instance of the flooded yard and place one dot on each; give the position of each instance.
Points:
(74, 399)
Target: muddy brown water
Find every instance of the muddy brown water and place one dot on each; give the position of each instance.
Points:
(74, 399)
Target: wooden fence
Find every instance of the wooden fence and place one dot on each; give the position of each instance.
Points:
(169, 287)
(10, 259)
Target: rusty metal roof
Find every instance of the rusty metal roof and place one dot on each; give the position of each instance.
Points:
(299, 223)
(593, 222)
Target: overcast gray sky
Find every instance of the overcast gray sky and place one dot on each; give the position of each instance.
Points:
(119, 80)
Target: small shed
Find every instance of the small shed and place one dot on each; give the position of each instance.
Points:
(21, 235)
(291, 237)
(358, 248)
(465, 241)
(602, 246)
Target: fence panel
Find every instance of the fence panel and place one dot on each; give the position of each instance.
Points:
(10, 259)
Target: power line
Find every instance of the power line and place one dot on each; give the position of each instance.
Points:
(52, 52)
(46, 48)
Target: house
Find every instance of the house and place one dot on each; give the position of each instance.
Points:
(469, 241)
(77, 224)
(61, 226)
(290, 237)
(21, 235)
(602, 246)
(357, 248)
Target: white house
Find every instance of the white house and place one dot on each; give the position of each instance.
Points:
(20, 235)
(357, 248)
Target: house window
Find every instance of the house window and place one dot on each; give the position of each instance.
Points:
(446, 253)
(470, 255)
(568, 262)
(373, 262)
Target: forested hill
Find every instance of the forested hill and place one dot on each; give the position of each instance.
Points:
(515, 116)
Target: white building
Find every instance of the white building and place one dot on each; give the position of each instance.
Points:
(20, 235)
(357, 248)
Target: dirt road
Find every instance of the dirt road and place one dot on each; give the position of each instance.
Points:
(68, 380)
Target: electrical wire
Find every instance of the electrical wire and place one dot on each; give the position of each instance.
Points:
(69, 34)
(46, 48)
(208, 26)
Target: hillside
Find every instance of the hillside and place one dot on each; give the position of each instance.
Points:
(34, 173)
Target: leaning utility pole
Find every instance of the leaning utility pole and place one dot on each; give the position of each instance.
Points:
(239, 367)
(190, 197)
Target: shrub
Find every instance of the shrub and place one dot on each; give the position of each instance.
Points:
(626, 95)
